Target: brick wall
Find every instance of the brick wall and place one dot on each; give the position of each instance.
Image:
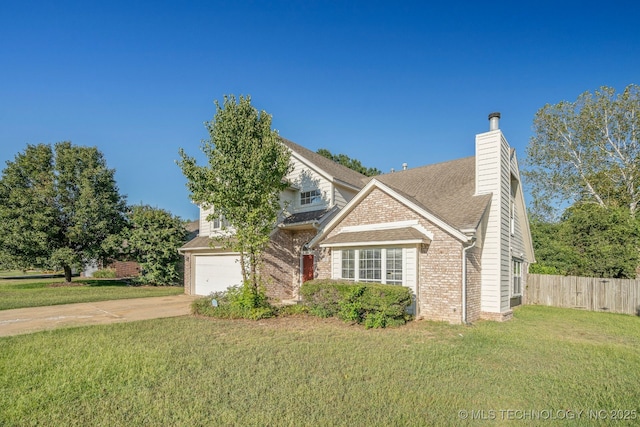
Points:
(188, 257)
(498, 317)
(281, 264)
(323, 263)
(440, 278)
(125, 268)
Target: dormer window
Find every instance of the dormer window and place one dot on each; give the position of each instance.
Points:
(310, 197)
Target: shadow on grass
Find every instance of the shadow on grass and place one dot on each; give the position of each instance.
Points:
(106, 282)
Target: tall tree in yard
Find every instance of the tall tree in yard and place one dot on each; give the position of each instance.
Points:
(245, 174)
(347, 161)
(57, 206)
(153, 239)
(587, 151)
(604, 240)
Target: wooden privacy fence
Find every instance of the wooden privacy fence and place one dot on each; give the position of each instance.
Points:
(588, 293)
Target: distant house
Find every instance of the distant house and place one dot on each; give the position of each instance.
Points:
(127, 268)
(456, 233)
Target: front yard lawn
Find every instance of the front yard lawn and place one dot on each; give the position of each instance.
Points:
(542, 368)
(20, 293)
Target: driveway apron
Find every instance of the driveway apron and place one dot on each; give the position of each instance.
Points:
(26, 320)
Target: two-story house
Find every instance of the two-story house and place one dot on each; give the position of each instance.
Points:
(456, 233)
(318, 189)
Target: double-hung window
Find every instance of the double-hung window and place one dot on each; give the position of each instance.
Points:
(349, 264)
(394, 266)
(370, 265)
(220, 222)
(516, 266)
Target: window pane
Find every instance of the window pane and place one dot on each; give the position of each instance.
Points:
(308, 197)
(370, 266)
(394, 266)
(348, 264)
(517, 277)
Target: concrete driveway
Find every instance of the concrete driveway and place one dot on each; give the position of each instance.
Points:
(27, 320)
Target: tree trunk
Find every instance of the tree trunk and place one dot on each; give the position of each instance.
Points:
(254, 273)
(243, 267)
(67, 273)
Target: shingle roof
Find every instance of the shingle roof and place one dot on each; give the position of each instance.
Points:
(371, 236)
(336, 170)
(303, 217)
(446, 190)
(200, 242)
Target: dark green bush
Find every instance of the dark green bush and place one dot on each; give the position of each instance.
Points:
(372, 304)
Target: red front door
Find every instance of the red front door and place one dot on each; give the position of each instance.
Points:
(307, 267)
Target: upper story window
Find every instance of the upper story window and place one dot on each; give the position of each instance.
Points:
(220, 222)
(310, 197)
(512, 218)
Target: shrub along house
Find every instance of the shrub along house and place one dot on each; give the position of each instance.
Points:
(456, 233)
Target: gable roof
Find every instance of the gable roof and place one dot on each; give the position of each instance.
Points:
(447, 190)
(335, 170)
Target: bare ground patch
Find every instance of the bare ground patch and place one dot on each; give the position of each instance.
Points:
(66, 284)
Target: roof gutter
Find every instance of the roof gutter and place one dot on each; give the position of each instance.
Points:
(298, 225)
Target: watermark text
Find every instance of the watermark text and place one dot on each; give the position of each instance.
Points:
(548, 414)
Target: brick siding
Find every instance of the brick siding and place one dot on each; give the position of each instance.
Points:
(125, 268)
(280, 270)
(188, 271)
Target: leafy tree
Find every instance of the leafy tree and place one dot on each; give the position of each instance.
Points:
(588, 151)
(589, 241)
(57, 205)
(604, 240)
(243, 179)
(347, 161)
(153, 239)
(553, 254)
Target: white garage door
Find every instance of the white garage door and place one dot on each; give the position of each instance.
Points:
(216, 273)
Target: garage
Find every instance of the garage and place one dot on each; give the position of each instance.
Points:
(214, 273)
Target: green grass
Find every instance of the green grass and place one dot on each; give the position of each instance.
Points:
(192, 371)
(20, 293)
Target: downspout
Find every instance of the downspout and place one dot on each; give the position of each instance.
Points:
(464, 279)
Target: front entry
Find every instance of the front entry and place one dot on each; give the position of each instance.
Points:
(307, 267)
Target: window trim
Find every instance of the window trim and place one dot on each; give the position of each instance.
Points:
(383, 262)
(512, 218)
(516, 277)
(350, 267)
(310, 197)
(220, 223)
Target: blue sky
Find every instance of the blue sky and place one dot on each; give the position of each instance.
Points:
(384, 82)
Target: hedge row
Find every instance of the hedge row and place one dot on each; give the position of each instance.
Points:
(372, 304)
